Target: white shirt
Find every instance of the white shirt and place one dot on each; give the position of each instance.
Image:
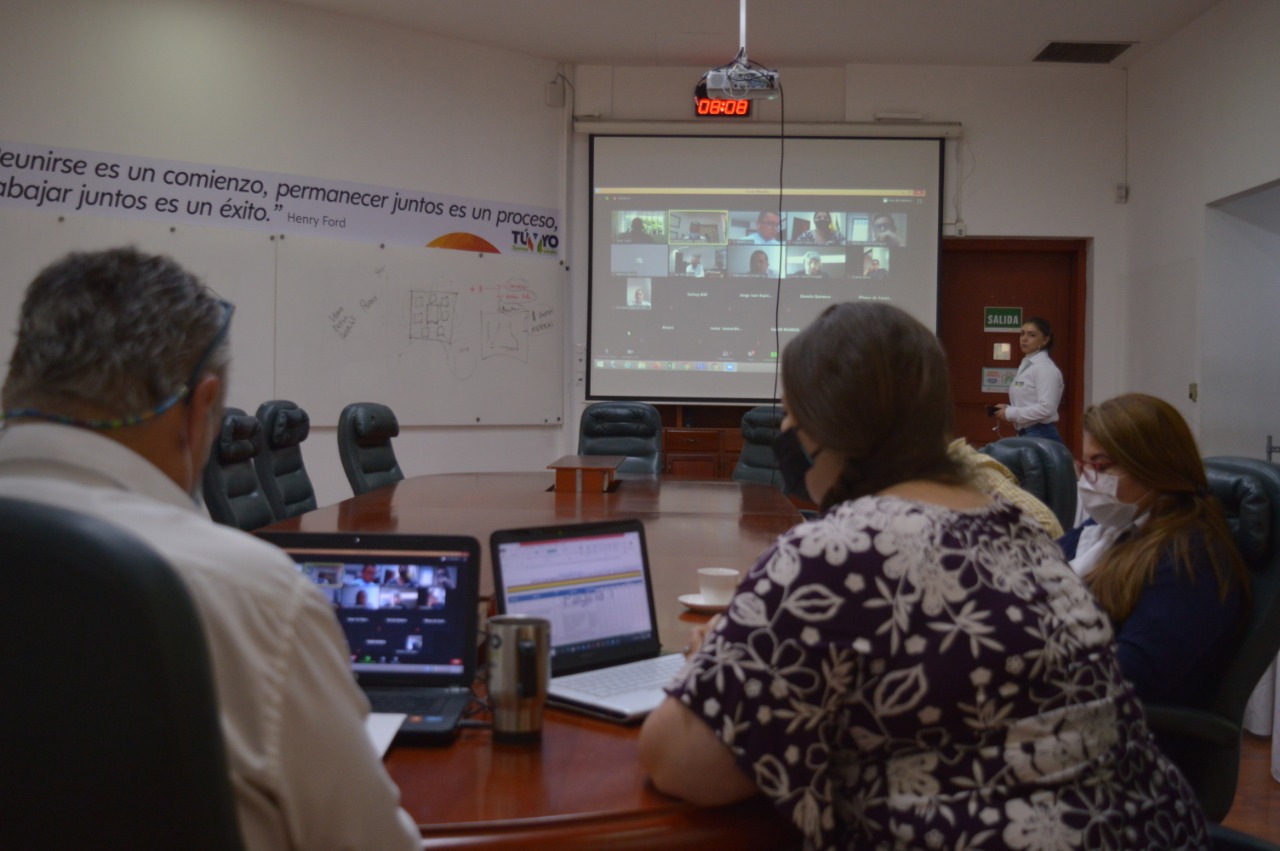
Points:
(1036, 391)
(697, 270)
(1094, 541)
(303, 770)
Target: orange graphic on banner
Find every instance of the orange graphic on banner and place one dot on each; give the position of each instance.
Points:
(463, 242)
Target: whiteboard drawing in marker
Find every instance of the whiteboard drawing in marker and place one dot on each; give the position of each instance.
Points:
(462, 361)
(432, 315)
(506, 334)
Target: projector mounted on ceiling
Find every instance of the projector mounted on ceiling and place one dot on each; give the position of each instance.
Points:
(741, 79)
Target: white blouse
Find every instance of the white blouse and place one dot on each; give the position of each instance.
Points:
(1036, 391)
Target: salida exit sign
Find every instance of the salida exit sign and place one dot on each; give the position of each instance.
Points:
(1001, 319)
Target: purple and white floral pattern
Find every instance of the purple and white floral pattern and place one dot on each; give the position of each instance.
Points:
(900, 675)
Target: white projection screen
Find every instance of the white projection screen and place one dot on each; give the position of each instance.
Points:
(709, 253)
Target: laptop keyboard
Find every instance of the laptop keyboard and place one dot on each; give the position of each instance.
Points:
(620, 679)
(409, 702)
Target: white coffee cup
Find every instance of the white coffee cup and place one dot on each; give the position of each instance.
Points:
(717, 584)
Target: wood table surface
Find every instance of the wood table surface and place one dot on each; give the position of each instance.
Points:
(583, 786)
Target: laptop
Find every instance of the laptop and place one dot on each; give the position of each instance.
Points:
(592, 582)
(408, 605)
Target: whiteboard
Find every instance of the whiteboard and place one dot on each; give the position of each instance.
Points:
(442, 337)
(239, 266)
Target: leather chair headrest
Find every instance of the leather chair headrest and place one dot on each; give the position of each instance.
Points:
(374, 425)
(621, 420)
(762, 424)
(291, 427)
(1248, 511)
(236, 440)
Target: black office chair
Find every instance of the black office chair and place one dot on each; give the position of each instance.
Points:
(365, 430)
(1044, 468)
(279, 465)
(231, 489)
(633, 429)
(109, 724)
(1205, 743)
(756, 463)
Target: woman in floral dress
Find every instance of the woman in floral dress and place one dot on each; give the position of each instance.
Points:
(918, 667)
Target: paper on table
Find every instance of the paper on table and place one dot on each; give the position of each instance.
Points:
(382, 727)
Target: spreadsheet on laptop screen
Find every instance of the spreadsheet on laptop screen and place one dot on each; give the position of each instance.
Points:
(592, 589)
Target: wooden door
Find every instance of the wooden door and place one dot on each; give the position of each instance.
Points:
(1044, 277)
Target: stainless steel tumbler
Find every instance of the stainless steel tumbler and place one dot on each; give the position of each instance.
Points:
(519, 667)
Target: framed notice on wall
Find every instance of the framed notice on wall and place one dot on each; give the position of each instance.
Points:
(996, 379)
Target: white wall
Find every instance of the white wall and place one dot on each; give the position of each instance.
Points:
(1240, 370)
(1204, 123)
(281, 88)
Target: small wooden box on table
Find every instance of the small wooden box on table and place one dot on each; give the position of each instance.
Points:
(586, 473)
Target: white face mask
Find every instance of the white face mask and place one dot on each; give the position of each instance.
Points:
(1100, 502)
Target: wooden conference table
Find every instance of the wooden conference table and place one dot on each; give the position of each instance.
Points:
(583, 787)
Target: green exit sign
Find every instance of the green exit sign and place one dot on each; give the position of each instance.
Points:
(1002, 319)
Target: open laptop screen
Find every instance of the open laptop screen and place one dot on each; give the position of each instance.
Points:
(591, 581)
(407, 604)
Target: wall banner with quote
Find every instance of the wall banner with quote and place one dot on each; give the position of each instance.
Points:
(65, 180)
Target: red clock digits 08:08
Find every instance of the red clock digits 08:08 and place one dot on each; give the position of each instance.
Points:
(737, 107)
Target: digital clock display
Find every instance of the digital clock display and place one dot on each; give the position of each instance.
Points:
(722, 107)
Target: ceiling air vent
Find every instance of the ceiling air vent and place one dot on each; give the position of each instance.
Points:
(1085, 52)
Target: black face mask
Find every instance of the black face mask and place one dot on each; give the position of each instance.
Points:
(793, 463)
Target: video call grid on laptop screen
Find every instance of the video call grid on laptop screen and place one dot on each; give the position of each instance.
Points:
(592, 585)
(402, 612)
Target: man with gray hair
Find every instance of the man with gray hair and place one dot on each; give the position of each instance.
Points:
(113, 397)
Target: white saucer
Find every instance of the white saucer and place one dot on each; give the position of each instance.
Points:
(694, 603)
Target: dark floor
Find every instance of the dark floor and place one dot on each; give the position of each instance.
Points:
(1256, 809)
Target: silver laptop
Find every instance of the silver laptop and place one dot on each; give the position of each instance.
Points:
(592, 582)
(409, 606)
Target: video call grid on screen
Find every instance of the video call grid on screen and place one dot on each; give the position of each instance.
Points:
(398, 612)
(591, 589)
(701, 271)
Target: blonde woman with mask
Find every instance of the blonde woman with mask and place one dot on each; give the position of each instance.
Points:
(1156, 551)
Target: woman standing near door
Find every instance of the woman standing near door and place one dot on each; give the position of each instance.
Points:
(1036, 391)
